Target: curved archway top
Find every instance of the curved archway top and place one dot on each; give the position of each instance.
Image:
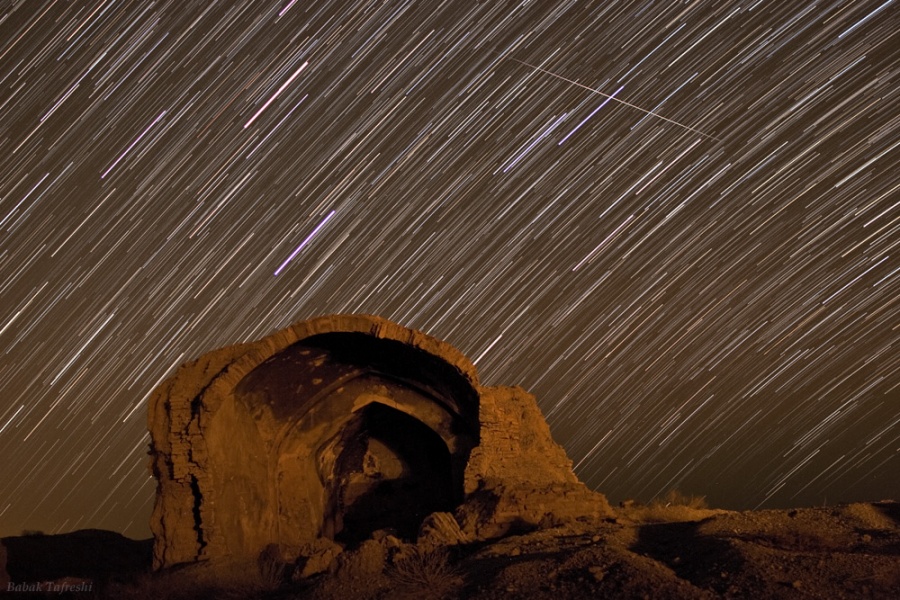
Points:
(377, 327)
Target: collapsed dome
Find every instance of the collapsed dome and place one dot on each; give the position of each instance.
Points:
(335, 427)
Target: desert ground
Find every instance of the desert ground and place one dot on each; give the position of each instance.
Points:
(666, 550)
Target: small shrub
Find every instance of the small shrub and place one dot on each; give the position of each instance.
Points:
(424, 574)
(671, 507)
(675, 498)
(271, 573)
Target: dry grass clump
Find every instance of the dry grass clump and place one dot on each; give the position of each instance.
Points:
(673, 506)
(676, 498)
(424, 574)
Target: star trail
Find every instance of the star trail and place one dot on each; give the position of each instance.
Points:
(677, 224)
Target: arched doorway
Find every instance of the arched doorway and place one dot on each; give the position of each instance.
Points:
(392, 471)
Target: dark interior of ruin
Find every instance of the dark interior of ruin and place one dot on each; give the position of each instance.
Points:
(392, 472)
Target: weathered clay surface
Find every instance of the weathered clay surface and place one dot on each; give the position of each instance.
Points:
(341, 426)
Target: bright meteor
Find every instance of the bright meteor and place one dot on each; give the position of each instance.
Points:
(613, 97)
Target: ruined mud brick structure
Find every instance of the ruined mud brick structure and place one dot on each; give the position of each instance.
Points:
(340, 426)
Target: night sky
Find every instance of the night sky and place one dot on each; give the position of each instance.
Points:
(676, 223)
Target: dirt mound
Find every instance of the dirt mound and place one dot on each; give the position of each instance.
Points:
(850, 551)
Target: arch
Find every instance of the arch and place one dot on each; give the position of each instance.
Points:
(391, 471)
(329, 409)
(250, 356)
(310, 454)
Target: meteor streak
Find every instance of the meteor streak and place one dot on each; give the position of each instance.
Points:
(612, 97)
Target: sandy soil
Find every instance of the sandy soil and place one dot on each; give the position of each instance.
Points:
(848, 551)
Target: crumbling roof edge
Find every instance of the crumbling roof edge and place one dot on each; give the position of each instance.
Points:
(259, 351)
